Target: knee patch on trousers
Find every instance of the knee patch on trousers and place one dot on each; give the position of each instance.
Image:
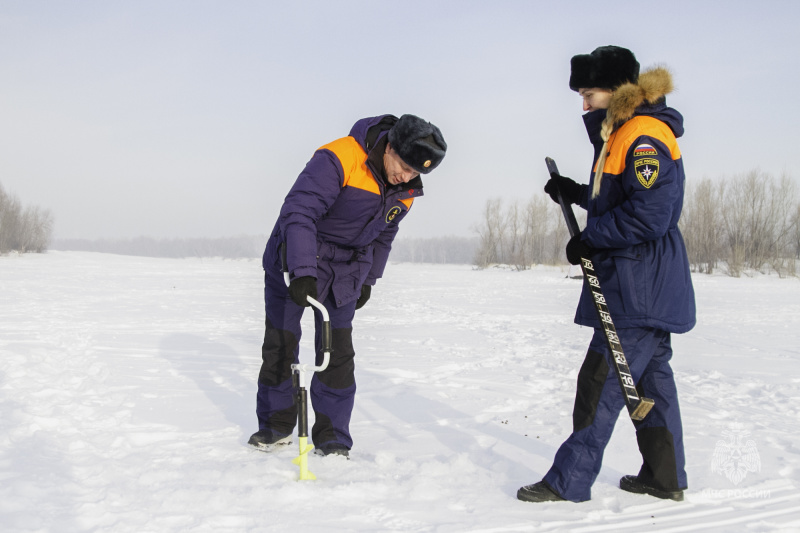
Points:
(657, 447)
(322, 431)
(340, 373)
(277, 355)
(591, 378)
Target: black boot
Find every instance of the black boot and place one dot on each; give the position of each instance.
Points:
(332, 448)
(634, 484)
(266, 441)
(538, 492)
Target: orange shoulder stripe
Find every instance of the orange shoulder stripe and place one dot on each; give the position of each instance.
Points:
(354, 163)
(621, 140)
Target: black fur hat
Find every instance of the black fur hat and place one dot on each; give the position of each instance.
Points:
(418, 143)
(607, 67)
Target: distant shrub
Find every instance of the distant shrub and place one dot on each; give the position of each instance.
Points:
(23, 229)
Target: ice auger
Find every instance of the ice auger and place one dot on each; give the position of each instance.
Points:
(299, 379)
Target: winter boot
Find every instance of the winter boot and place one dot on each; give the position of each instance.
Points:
(266, 441)
(633, 484)
(538, 492)
(332, 448)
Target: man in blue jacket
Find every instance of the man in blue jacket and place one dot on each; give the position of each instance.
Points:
(337, 225)
(633, 202)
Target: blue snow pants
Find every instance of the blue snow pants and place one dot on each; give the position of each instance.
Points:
(598, 402)
(332, 390)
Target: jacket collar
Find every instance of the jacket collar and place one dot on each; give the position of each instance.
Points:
(651, 89)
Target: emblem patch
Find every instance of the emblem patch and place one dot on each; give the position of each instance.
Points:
(393, 212)
(644, 149)
(646, 171)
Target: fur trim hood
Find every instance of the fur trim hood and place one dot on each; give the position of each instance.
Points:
(646, 96)
(652, 86)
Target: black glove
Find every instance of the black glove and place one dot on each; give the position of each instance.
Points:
(366, 290)
(300, 288)
(570, 190)
(576, 249)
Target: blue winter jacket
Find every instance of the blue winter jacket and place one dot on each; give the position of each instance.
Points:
(641, 258)
(340, 217)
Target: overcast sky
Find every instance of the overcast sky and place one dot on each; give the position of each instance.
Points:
(193, 118)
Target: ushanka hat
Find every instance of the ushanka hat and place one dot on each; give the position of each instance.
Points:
(607, 67)
(418, 143)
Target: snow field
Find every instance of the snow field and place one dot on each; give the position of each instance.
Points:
(127, 394)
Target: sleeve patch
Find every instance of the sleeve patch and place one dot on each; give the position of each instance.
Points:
(393, 212)
(644, 149)
(646, 171)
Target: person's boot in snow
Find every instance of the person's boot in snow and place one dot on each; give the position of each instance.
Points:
(332, 448)
(538, 492)
(265, 440)
(634, 484)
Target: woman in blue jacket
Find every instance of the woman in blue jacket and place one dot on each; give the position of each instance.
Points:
(633, 202)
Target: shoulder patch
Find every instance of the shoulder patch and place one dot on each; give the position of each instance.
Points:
(644, 149)
(393, 212)
(646, 171)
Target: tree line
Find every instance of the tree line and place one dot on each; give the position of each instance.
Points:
(459, 250)
(23, 228)
(748, 222)
(410, 249)
(241, 247)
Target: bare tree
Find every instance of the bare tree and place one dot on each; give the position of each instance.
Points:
(734, 218)
(758, 223)
(796, 232)
(25, 230)
(516, 238)
(490, 233)
(10, 218)
(701, 225)
(536, 228)
(783, 205)
(41, 229)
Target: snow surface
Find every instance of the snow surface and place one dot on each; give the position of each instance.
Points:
(127, 394)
